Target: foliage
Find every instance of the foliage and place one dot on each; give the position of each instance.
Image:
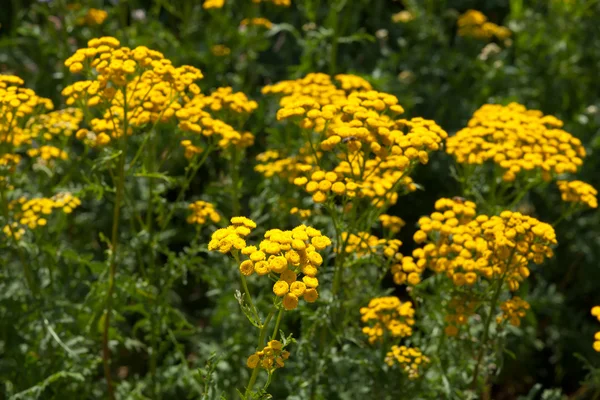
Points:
(299, 199)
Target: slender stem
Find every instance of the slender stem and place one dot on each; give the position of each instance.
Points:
(155, 310)
(486, 330)
(247, 293)
(261, 340)
(235, 182)
(277, 322)
(113, 260)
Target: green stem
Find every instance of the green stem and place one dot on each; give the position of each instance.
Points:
(113, 260)
(277, 322)
(486, 331)
(248, 297)
(235, 180)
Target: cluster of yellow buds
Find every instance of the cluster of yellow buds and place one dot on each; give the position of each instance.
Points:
(272, 356)
(139, 85)
(272, 163)
(47, 153)
(194, 117)
(202, 211)
(410, 359)
(476, 25)
(224, 98)
(513, 310)
(370, 151)
(517, 139)
(258, 21)
(467, 247)
(282, 3)
(220, 50)
(321, 183)
(34, 212)
(94, 16)
(231, 239)
(302, 213)
(286, 255)
(578, 192)
(460, 308)
(387, 316)
(17, 105)
(391, 222)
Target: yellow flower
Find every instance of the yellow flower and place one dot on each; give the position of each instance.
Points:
(410, 359)
(518, 141)
(201, 212)
(387, 314)
(578, 192)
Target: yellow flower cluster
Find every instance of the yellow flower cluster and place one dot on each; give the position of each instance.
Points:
(372, 151)
(387, 316)
(259, 21)
(231, 239)
(467, 247)
(273, 163)
(578, 192)
(47, 153)
(225, 98)
(403, 16)
(140, 85)
(220, 50)
(474, 24)
(195, 119)
(596, 313)
(51, 125)
(95, 16)
(33, 212)
(285, 255)
(190, 149)
(272, 356)
(208, 4)
(201, 212)
(392, 222)
(282, 3)
(513, 310)
(322, 183)
(361, 243)
(410, 359)
(17, 104)
(302, 213)
(516, 139)
(460, 308)
(316, 86)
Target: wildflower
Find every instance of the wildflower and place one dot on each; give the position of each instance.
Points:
(391, 222)
(270, 357)
(513, 310)
(474, 24)
(410, 359)
(578, 192)
(387, 316)
(231, 238)
(467, 247)
(518, 141)
(209, 4)
(201, 212)
(95, 16)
